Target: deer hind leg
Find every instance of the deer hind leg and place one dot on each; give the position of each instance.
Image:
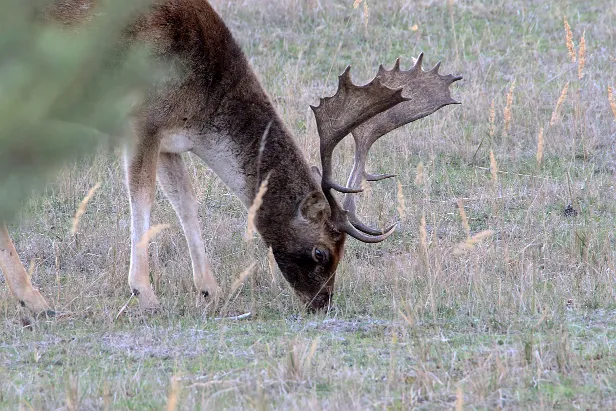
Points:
(175, 182)
(17, 277)
(141, 181)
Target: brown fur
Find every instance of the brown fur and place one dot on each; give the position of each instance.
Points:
(220, 111)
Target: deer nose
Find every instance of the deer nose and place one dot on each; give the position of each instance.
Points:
(322, 300)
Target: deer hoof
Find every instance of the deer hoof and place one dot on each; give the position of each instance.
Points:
(34, 301)
(147, 300)
(211, 296)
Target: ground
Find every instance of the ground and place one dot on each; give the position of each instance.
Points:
(511, 306)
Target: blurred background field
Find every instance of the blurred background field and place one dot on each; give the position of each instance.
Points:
(510, 303)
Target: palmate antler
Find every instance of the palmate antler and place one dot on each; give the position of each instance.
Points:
(392, 99)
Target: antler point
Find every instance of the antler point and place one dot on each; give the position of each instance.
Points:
(419, 59)
(345, 78)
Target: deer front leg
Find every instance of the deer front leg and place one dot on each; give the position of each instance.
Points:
(175, 182)
(141, 181)
(17, 277)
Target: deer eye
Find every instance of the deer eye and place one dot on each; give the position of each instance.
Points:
(318, 255)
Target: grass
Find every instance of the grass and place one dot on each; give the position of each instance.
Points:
(525, 318)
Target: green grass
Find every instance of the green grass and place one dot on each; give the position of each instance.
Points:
(267, 362)
(525, 319)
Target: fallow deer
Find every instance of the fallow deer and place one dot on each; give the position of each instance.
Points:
(219, 111)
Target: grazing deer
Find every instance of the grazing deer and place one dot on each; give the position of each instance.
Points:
(219, 111)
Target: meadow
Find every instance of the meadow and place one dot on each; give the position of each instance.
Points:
(497, 291)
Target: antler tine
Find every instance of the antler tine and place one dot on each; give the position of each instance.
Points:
(426, 93)
(351, 230)
(358, 174)
(352, 105)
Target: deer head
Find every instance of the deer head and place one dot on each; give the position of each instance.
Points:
(392, 99)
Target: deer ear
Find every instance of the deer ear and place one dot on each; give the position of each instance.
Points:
(314, 207)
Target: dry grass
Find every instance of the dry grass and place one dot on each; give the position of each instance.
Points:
(152, 232)
(512, 308)
(559, 103)
(582, 56)
(493, 167)
(492, 130)
(254, 209)
(401, 202)
(507, 112)
(569, 40)
(82, 208)
(612, 100)
(540, 147)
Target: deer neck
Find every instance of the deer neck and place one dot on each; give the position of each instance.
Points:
(248, 143)
(225, 113)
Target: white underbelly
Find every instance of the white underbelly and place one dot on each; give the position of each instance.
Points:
(176, 143)
(218, 152)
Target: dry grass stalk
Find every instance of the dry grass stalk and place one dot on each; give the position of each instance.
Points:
(124, 307)
(172, 397)
(235, 317)
(150, 234)
(472, 241)
(366, 190)
(356, 4)
(569, 40)
(467, 227)
(493, 167)
(271, 262)
(610, 97)
(492, 129)
(31, 268)
(293, 370)
(254, 207)
(423, 234)
(559, 103)
(240, 280)
(106, 397)
(540, 145)
(582, 56)
(401, 205)
(82, 207)
(459, 399)
(72, 393)
(419, 176)
(407, 315)
(453, 27)
(507, 112)
(312, 352)
(450, 9)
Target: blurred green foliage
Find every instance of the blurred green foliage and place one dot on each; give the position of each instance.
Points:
(63, 89)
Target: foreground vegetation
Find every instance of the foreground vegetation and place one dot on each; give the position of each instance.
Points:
(67, 98)
(510, 303)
